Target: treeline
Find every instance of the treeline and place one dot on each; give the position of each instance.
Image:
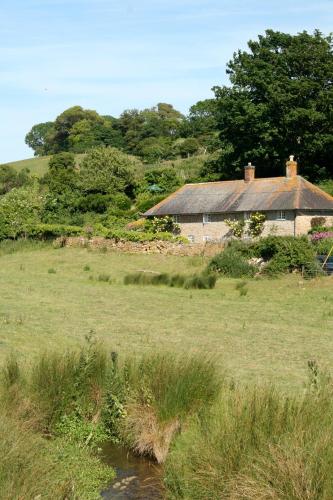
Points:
(280, 102)
(152, 134)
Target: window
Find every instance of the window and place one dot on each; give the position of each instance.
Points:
(281, 215)
(207, 238)
(191, 238)
(206, 218)
(176, 219)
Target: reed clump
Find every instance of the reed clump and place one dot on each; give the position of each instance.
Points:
(203, 281)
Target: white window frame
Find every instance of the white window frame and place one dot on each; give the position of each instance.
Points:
(206, 218)
(191, 238)
(176, 219)
(281, 215)
(207, 238)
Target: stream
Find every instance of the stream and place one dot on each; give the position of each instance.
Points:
(138, 478)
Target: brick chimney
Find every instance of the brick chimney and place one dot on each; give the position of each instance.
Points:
(249, 172)
(291, 167)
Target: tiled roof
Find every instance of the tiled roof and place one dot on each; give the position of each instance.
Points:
(276, 193)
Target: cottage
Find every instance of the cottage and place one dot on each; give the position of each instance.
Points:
(289, 203)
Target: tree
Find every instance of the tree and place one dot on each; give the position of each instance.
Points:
(280, 103)
(39, 138)
(165, 179)
(62, 161)
(107, 170)
(10, 179)
(189, 147)
(20, 210)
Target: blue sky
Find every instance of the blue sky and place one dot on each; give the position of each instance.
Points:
(110, 55)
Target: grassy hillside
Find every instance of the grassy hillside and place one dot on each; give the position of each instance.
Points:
(48, 300)
(38, 165)
(188, 167)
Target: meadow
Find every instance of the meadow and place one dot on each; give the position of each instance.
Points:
(52, 298)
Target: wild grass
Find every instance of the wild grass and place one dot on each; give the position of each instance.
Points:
(8, 247)
(198, 281)
(256, 443)
(33, 467)
(164, 391)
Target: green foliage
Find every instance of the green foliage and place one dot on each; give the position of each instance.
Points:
(39, 138)
(285, 254)
(33, 467)
(175, 386)
(139, 237)
(256, 224)
(50, 231)
(196, 281)
(231, 263)
(107, 170)
(189, 147)
(281, 83)
(20, 211)
(164, 224)
(256, 443)
(146, 201)
(160, 180)
(62, 161)
(10, 178)
(68, 384)
(327, 186)
(237, 227)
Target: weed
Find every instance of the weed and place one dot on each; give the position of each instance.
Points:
(51, 270)
(86, 267)
(106, 278)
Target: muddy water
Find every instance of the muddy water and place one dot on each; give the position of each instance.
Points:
(137, 477)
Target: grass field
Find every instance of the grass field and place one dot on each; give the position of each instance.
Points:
(186, 167)
(37, 166)
(48, 300)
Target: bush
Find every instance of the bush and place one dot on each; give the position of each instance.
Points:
(231, 263)
(50, 231)
(324, 246)
(285, 254)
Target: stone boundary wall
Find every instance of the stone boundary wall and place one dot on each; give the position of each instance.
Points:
(152, 247)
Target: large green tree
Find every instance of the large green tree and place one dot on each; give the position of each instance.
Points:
(280, 103)
(107, 171)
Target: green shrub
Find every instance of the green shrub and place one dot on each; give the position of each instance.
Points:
(231, 263)
(50, 231)
(323, 246)
(285, 253)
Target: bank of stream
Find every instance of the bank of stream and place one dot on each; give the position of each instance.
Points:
(137, 477)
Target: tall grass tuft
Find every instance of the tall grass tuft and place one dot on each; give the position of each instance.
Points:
(164, 391)
(198, 281)
(72, 382)
(256, 443)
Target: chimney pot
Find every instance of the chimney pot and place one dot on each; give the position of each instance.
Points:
(291, 167)
(249, 172)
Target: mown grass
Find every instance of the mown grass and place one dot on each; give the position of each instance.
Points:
(267, 335)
